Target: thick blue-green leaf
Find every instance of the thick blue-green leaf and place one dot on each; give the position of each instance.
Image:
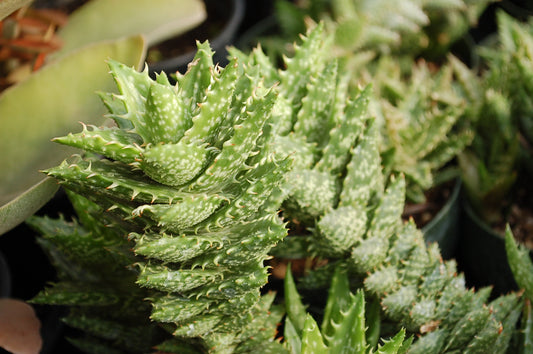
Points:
(97, 21)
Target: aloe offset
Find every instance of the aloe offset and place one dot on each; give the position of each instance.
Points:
(184, 175)
(348, 326)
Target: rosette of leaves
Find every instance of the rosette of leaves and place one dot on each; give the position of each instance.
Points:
(348, 324)
(421, 113)
(183, 177)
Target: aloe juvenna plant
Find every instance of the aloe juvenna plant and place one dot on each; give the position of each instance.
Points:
(182, 180)
(350, 214)
(421, 112)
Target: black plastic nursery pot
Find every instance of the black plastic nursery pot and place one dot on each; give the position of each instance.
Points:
(263, 28)
(223, 21)
(519, 9)
(5, 277)
(444, 227)
(482, 256)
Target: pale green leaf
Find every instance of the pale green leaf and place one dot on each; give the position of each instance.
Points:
(17, 210)
(295, 309)
(393, 345)
(312, 341)
(339, 301)
(291, 337)
(99, 20)
(520, 263)
(30, 116)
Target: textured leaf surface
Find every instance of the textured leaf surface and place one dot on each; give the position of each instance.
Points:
(115, 143)
(312, 341)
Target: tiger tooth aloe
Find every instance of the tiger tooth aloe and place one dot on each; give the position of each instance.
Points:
(339, 195)
(315, 122)
(185, 174)
(421, 116)
(416, 288)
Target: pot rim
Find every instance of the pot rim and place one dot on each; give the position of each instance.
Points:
(218, 43)
(479, 221)
(447, 206)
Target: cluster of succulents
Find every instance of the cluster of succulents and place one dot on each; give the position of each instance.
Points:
(179, 207)
(365, 29)
(353, 216)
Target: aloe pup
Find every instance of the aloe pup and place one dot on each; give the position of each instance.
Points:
(348, 325)
(184, 175)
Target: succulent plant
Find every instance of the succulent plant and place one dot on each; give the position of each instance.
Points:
(492, 165)
(349, 213)
(522, 268)
(416, 289)
(347, 325)
(364, 29)
(420, 112)
(183, 177)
